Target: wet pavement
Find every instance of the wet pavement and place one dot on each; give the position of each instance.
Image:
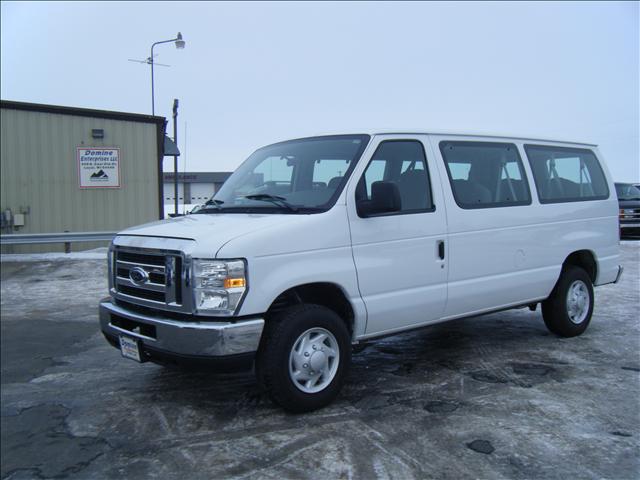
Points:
(489, 397)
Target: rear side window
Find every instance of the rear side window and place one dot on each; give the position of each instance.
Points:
(404, 163)
(485, 174)
(566, 174)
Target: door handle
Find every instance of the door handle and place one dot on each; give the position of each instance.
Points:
(441, 249)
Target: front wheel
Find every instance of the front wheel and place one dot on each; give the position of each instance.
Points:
(567, 312)
(304, 357)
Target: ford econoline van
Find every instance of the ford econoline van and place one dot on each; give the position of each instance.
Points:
(317, 244)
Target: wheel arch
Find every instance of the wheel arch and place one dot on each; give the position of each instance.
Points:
(586, 260)
(327, 294)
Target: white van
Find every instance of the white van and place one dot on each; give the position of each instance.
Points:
(317, 244)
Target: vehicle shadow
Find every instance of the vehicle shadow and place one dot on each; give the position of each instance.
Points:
(509, 348)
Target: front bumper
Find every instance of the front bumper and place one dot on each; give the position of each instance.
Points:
(201, 339)
(629, 229)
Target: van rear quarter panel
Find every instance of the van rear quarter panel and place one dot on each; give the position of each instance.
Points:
(512, 255)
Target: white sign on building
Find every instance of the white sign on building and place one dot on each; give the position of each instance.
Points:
(98, 167)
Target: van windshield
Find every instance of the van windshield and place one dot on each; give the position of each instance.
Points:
(297, 176)
(627, 191)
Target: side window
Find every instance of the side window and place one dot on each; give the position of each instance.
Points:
(402, 162)
(374, 173)
(566, 174)
(459, 171)
(409, 165)
(485, 174)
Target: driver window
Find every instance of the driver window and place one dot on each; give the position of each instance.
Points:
(402, 162)
(374, 173)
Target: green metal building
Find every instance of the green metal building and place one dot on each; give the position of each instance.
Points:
(77, 170)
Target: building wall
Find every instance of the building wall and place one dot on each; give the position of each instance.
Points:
(201, 192)
(39, 171)
(195, 192)
(190, 194)
(194, 188)
(169, 195)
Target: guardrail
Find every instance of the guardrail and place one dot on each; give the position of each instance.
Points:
(65, 237)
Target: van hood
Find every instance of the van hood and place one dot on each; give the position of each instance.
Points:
(629, 203)
(210, 231)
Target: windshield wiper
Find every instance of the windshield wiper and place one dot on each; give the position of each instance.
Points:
(211, 204)
(275, 199)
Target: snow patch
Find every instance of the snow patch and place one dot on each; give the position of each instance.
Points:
(95, 254)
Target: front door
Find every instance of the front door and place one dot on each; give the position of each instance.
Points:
(400, 256)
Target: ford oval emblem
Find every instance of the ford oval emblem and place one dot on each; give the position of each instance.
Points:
(138, 275)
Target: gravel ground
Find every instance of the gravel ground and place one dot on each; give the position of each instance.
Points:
(489, 397)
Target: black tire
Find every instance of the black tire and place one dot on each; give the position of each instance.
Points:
(273, 358)
(556, 309)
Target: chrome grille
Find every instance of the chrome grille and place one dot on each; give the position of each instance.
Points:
(157, 280)
(630, 215)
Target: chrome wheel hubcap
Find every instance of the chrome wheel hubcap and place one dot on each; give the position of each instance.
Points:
(314, 360)
(578, 302)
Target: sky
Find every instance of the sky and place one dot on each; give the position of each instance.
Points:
(259, 72)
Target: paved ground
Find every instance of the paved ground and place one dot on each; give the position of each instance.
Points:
(489, 397)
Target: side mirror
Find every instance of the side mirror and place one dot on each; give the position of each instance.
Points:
(385, 198)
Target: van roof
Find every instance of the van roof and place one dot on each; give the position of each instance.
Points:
(373, 132)
(477, 134)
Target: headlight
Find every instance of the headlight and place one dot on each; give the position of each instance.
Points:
(218, 285)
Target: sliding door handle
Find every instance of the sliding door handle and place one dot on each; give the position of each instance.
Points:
(441, 249)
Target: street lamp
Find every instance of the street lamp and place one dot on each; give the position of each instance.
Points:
(180, 43)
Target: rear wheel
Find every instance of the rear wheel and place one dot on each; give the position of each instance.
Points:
(567, 312)
(304, 357)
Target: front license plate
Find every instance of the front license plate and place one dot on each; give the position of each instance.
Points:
(130, 348)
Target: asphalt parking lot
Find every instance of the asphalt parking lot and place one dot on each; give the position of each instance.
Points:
(488, 397)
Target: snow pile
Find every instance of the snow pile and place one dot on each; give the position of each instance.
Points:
(95, 254)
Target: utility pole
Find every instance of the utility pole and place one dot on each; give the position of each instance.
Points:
(180, 43)
(175, 157)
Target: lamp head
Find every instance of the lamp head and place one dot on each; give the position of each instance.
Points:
(179, 41)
